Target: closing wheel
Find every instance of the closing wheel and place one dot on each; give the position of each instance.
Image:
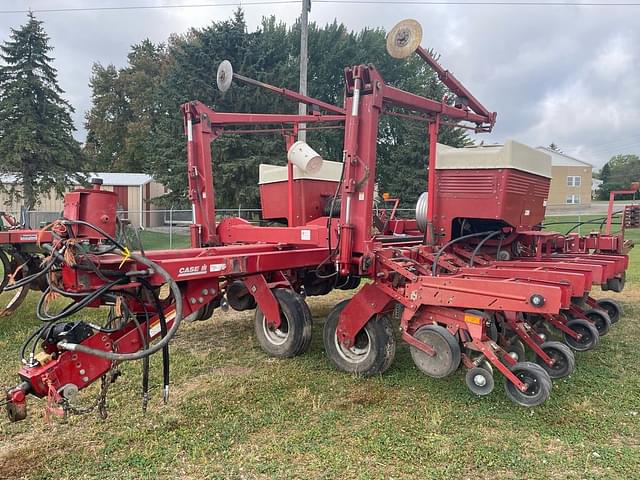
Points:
(543, 331)
(447, 351)
(537, 381)
(373, 350)
(564, 361)
(516, 350)
(589, 336)
(600, 320)
(613, 308)
(479, 381)
(293, 336)
(10, 300)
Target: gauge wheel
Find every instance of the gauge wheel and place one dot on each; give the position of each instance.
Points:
(447, 351)
(479, 381)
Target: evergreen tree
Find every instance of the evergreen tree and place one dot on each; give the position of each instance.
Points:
(36, 130)
(618, 174)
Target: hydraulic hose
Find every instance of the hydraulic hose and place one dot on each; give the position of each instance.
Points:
(123, 357)
(451, 242)
(481, 243)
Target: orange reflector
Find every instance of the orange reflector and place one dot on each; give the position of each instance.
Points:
(385, 196)
(472, 319)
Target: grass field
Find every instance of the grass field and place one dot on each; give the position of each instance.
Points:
(235, 413)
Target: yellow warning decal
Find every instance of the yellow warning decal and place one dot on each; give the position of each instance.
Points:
(472, 319)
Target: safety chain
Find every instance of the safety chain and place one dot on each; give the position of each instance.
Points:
(101, 401)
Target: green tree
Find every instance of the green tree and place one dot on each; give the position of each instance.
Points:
(107, 120)
(270, 54)
(36, 130)
(123, 109)
(618, 173)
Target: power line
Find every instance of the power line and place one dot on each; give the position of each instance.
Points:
(239, 3)
(243, 3)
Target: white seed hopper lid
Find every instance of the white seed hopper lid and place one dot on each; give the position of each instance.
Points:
(329, 172)
(512, 154)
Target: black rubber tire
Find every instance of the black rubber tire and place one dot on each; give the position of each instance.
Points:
(206, 312)
(562, 354)
(600, 320)
(580, 301)
(6, 269)
(590, 336)
(239, 298)
(376, 341)
(315, 286)
(294, 335)
(613, 309)
(616, 284)
(539, 385)
(306, 311)
(447, 357)
(516, 347)
(472, 379)
(543, 329)
(12, 299)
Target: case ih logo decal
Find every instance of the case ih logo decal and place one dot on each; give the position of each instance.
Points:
(189, 271)
(201, 269)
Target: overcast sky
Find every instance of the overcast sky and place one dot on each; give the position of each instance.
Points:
(569, 75)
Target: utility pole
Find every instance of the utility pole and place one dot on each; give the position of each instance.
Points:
(304, 57)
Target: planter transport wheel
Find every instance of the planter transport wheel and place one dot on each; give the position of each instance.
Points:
(600, 320)
(613, 308)
(479, 381)
(537, 380)
(293, 335)
(447, 351)
(373, 350)
(564, 361)
(589, 335)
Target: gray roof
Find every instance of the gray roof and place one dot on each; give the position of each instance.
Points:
(563, 160)
(108, 178)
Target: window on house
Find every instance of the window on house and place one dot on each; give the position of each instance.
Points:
(574, 181)
(573, 199)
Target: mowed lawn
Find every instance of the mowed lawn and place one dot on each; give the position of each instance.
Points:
(235, 413)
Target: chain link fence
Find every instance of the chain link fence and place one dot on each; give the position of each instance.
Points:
(169, 228)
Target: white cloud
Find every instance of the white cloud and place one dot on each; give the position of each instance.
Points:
(562, 74)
